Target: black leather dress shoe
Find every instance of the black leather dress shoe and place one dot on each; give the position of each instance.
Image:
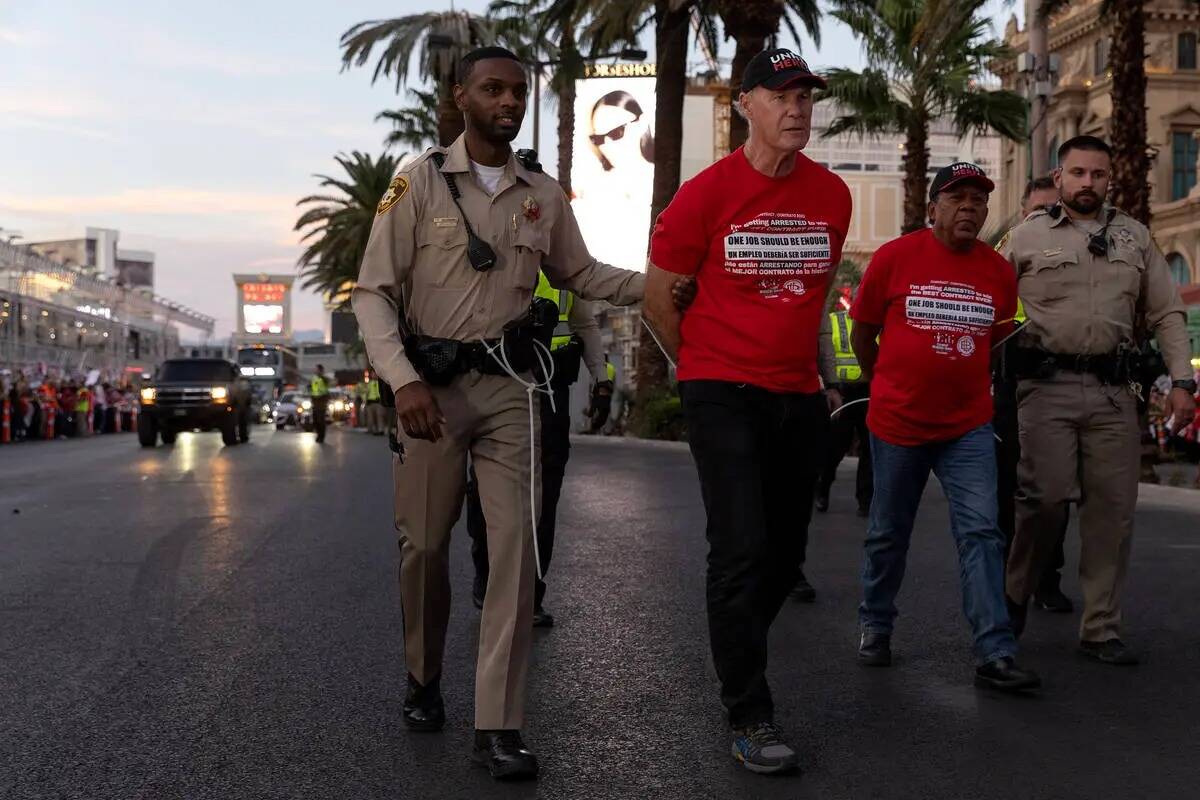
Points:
(423, 707)
(1112, 652)
(504, 755)
(821, 502)
(875, 649)
(1003, 674)
(1016, 615)
(542, 618)
(1052, 599)
(803, 591)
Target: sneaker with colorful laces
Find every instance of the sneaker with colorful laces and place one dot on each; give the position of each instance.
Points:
(759, 748)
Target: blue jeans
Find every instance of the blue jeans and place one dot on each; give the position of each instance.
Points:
(966, 468)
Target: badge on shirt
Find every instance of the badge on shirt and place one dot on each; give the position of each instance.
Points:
(1124, 236)
(396, 189)
(531, 209)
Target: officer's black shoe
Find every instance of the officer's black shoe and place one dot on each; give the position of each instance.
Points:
(1112, 652)
(1051, 598)
(1003, 674)
(423, 706)
(504, 755)
(803, 591)
(542, 618)
(821, 502)
(875, 649)
(1016, 615)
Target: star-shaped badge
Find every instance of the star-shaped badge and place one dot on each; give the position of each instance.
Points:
(532, 210)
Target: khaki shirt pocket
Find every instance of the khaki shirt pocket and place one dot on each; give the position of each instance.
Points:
(532, 244)
(1049, 278)
(441, 261)
(1124, 269)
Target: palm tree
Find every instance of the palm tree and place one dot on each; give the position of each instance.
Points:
(924, 59)
(441, 38)
(751, 24)
(415, 126)
(337, 225)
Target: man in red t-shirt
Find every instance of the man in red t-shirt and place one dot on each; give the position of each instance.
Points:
(762, 230)
(929, 309)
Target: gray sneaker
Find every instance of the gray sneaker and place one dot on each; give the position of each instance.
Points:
(759, 748)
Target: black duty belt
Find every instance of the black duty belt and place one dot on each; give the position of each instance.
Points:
(1035, 363)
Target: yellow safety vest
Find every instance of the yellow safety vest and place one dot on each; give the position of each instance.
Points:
(845, 363)
(611, 370)
(372, 391)
(1020, 317)
(319, 386)
(564, 300)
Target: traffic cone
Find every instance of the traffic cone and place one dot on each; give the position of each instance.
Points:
(50, 414)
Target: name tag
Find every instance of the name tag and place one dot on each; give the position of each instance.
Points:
(1055, 252)
(445, 222)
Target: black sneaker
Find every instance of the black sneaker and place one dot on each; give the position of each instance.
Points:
(803, 591)
(1003, 674)
(1053, 600)
(1112, 652)
(424, 709)
(759, 748)
(875, 649)
(504, 755)
(542, 618)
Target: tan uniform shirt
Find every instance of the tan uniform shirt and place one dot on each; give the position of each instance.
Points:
(584, 324)
(826, 358)
(416, 259)
(1080, 303)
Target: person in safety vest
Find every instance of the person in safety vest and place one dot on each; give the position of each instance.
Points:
(576, 338)
(319, 389)
(1040, 193)
(372, 405)
(847, 379)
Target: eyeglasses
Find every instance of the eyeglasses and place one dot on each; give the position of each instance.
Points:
(616, 134)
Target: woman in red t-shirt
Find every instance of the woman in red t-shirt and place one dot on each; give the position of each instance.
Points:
(929, 309)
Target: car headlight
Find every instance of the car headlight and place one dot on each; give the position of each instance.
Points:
(306, 405)
(266, 409)
(219, 393)
(149, 394)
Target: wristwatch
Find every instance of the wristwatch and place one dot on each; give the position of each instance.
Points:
(1187, 384)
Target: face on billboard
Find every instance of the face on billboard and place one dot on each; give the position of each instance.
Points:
(262, 318)
(613, 169)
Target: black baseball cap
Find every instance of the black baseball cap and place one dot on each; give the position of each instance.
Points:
(778, 68)
(956, 173)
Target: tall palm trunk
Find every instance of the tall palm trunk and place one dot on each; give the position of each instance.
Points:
(450, 120)
(750, 23)
(566, 109)
(671, 44)
(916, 172)
(1131, 164)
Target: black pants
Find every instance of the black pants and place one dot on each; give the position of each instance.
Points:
(758, 454)
(556, 449)
(842, 430)
(320, 404)
(1008, 455)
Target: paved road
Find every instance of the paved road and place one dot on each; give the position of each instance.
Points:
(202, 622)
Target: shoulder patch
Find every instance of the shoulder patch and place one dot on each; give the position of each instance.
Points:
(1000, 245)
(396, 189)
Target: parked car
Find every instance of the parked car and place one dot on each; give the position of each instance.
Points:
(293, 408)
(201, 394)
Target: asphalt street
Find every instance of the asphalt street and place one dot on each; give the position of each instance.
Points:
(209, 622)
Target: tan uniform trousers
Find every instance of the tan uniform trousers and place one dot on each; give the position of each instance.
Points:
(1076, 432)
(488, 418)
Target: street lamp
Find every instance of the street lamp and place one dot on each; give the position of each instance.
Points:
(626, 54)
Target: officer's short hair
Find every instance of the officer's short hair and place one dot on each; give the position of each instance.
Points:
(1094, 143)
(1036, 185)
(469, 61)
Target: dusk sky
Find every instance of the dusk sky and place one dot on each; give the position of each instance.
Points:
(193, 128)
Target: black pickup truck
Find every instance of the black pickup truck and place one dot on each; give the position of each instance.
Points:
(195, 394)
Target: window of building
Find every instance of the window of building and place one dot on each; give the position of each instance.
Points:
(1186, 51)
(1179, 269)
(1183, 163)
(1100, 57)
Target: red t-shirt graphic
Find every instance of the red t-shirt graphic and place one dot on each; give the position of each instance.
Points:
(762, 250)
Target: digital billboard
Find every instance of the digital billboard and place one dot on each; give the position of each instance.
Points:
(264, 308)
(612, 173)
(262, 318)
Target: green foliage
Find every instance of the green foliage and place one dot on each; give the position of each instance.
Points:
(440, 39)
(415, 126)
(661, 416)
(337, 225)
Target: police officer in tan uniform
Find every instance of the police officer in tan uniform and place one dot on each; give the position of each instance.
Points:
(1089, 276)
(445, 286)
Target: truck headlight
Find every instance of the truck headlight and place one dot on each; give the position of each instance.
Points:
(149, 394)
(219, 393)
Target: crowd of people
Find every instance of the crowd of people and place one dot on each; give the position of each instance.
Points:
(39, 407)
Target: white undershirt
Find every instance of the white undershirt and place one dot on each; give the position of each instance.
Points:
(488, 177)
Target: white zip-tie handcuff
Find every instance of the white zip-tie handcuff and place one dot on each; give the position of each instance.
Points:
(547, 364)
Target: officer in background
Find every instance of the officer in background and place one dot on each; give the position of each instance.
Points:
(576, 337)
(319, 389)
(849, 422)
(1040, 193)
(1089, 277)
(445, 293)
(603, 393)
(372, 405)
